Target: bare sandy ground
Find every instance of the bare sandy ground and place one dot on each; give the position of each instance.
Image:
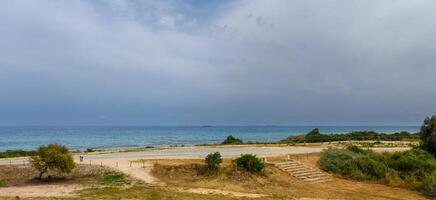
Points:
(40, 191)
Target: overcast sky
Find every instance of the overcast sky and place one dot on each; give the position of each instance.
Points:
(197, 62)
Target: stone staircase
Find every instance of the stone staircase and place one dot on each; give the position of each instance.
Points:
(303, 172)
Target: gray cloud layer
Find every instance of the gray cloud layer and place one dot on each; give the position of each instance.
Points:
(238, 62)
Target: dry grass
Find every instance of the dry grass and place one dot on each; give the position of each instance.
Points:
(185, 173)
(20, 175)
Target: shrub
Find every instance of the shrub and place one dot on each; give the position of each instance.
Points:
(428, 134)
(415, 162)
(428, 186)
(213, 160)
(89, 150)
(415, 167)
(53, 157)
(359, 166)
(16, 153)
(232, 140)
(250, 163)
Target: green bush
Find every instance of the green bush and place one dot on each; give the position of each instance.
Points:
(113, 178)
(415, 167)
(428, 185)
(89, 150)
(53, 157)
(250, 163)
(357, 164)
(415, 162)
(16, 153)
(232, 140)
(213, 160)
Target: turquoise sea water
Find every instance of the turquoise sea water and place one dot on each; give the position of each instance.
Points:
(117, 137)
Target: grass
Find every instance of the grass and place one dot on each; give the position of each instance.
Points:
(114, 178)
(140, 191)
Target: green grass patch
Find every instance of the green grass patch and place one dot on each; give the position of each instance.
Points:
(114, 178)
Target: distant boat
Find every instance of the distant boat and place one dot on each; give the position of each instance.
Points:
(206, 126)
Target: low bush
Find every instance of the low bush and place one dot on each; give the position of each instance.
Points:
(428, 185)
(114, 178)
(89, 150)
(232, 140)
(16, 153)
(250, 163)
(213, 160)
(416, 167)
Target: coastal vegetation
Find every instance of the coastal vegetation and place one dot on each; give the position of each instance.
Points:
(250, 163)
(415, 168)
(315, 136)
(213, 160)
(16, 153)
(232, 140)
(428, 134)
(53, 157)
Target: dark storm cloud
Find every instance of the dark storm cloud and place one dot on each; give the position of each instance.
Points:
(235, 62)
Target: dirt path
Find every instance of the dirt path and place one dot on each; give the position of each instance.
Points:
(219, 192)
(40, 191)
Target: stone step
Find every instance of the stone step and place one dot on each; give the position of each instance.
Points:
(308, 172)
(303, 172)
(288, 165)
(293, 168)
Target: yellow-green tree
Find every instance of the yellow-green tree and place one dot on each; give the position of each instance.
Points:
(53, 157)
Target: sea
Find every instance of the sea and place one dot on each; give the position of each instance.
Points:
(122, 137)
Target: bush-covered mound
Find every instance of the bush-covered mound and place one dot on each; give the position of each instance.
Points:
(415, 168)
(316, 136)
(232, 140)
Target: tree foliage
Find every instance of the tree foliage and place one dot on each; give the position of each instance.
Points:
(428, 134)
(232, 140)
(213, 160)
(53, 157)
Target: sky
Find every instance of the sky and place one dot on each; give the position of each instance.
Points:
(199, 62)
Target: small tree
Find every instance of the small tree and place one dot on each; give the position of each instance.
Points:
(250, 163)
(428, 134)
(232, 140)
(53, 157)
(213, 160)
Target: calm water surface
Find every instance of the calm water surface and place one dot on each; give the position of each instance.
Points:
(115, 137)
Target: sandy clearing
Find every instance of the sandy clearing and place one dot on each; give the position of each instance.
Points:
(40, 191)
(137, 170)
